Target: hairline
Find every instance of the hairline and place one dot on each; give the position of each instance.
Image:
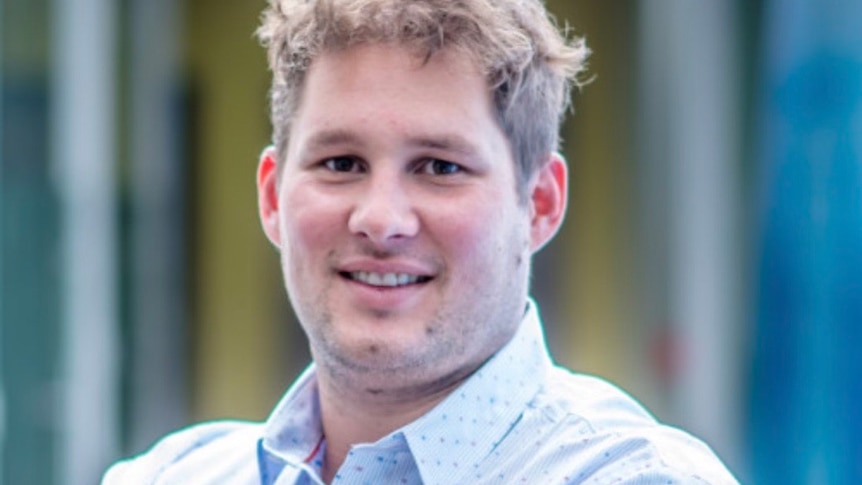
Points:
(522, 178)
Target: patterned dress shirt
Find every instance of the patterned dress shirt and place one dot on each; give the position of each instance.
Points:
(518, 419)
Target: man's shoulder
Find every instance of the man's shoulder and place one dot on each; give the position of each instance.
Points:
(600, 403)
(619, 438)
(231, 443)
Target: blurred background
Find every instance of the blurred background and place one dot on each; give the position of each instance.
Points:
(711, 261)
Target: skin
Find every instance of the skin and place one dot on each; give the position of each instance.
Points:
(396, 166)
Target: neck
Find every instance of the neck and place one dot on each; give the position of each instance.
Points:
(352, 415)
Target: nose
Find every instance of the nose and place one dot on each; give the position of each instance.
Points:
(385, 212)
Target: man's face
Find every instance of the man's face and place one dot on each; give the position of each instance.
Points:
(404, 246)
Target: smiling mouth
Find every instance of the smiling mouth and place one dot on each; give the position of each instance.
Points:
(385, 280)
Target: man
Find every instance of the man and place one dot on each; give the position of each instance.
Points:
(412, 177)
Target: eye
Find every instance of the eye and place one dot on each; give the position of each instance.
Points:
(342, 164)
(434, 166)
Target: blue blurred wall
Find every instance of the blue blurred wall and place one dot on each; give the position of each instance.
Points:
(806, 388)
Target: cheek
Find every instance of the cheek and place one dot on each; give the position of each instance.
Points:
(492, 234)
(309, 225)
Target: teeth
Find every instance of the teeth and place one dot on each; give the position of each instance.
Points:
(384, 279)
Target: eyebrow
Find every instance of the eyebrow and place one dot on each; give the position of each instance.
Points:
(329, 138)
(452, 142)
(447, 142)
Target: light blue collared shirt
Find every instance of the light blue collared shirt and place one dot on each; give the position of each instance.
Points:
(518, 419)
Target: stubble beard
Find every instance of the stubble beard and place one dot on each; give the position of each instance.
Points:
(374, 368)
(397, 375)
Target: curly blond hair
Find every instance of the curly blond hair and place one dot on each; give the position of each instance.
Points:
(529, 63)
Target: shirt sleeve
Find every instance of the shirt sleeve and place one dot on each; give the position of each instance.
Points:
(148, 467)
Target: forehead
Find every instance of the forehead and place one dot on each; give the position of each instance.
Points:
(394, 70)
(351, 90)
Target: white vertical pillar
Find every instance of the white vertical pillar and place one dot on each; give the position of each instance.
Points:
(690, 64)
(83, 150)
(705, 150)
(158, 287)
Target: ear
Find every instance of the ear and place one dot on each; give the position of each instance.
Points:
(548, 201)
(267, 195)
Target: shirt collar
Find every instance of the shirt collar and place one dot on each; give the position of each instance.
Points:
(293, 430)
(479, 413)
(484, 409)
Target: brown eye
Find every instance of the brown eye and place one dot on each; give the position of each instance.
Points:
(342, 164)
(441, 167)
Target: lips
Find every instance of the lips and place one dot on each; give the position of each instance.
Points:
(385, 280)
